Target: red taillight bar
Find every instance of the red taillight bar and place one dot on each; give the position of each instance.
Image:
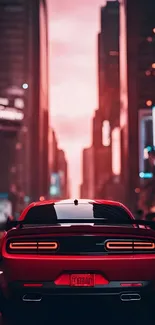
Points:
(33, 245)
(34, 285)
(23, 245)
(119, 245)
(47, 245)
(144, 245)
(129, 245)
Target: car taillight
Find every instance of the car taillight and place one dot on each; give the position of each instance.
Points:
(23, 245)
(47, 245)
(117, 245)
(127, 245)
(36, 245)
(144, 245)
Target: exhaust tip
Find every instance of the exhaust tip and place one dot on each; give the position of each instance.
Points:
(130, 297)
(32, 298)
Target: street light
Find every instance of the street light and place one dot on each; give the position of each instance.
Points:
(149, 102)
(25, 86)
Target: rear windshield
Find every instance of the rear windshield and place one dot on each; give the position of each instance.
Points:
(49, 213)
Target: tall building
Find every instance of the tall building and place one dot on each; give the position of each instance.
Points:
(137, 84)
(50, 152)
(107, 115)
(88, 185)
(63, 172)
(108, 61)
(97, 124)
(55, 151)
(59, 186)
(24, 98)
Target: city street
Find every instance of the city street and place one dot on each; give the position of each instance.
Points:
(86, 313)
(77, 163)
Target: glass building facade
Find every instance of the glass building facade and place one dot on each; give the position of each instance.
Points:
(24, 86)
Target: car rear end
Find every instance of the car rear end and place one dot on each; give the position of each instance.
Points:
(77, 261)
(46, 262)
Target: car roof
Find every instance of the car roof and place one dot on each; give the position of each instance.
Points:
(76, 202)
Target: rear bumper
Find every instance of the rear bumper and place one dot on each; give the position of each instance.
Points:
(19, 270)
(113, 290)
(81, 301)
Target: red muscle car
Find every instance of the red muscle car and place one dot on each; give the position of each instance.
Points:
(76, 247)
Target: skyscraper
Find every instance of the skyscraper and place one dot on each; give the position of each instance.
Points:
(24, 87)
(63, 172)
(88, 182)
(107, 116)
(137, 82)
(12, 77)
(108, 61)
(59, 172)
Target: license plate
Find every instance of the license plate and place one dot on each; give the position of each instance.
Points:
(82, 280)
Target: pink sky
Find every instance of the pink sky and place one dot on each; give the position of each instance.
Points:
(73, 28)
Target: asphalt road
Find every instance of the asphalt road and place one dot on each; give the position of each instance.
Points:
(83, 313)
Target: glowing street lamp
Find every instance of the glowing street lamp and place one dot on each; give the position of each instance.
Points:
(25, 86)
(149, 102)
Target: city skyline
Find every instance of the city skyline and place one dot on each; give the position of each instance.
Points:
(73, 77)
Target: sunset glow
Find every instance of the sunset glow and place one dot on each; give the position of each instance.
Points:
(73, 28)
